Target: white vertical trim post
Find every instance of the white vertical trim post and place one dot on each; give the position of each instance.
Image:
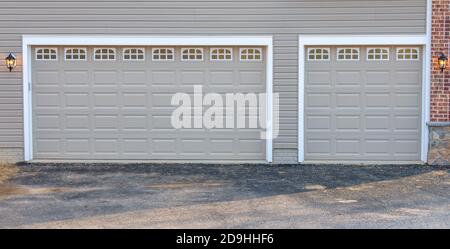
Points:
(269, 91)
(26, 71)
(365, 40)
(301, 100)
(426, 87)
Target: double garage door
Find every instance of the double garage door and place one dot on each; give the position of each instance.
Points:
(363, 103)
(115, 102)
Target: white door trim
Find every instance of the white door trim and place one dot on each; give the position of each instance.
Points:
(362, 40)
(92, 40)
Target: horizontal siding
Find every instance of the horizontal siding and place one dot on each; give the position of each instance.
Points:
(11, 132)
(285, 83)
(284, 19)
(11, 154)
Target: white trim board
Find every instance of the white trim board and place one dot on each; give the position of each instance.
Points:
(93, 40)
(426, 88)
(364, 40)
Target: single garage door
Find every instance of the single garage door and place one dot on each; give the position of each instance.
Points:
(115, 102)
(363, 103)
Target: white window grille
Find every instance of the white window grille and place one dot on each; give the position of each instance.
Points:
(48, 54)
(348, 54)
(104, 54)
(75, 54)
(221, 54)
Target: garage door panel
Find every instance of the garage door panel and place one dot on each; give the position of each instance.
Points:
(135, 145)
(378, 78)
(48, 145)
(193, 145)
(46, 78)
(318, 100)
(47, 99)
(134, 123)
(347, 122)
(347, 78)
(76, 78)
(76, 122)
(226, 78)
(76, 100)
(135, 100)
(105, 122)
(407, 123)
(406, 147)
(104, 145)
(161, 122)
(162, 100)
(408, 78)
(348, 146)
(50, 122)
(407, 100)
(377, 122)
(104, 78)
(377, 100)
(122, 110)
(319, 78)
(318, 122)
(164, 78)
(251, 77)
(134, 78)
(105, 100)
(192, 77)
(380, 147)
(77, 146)
(348, 100)
(317, 146)
(222, 145)
(235, 89)
(363, 111)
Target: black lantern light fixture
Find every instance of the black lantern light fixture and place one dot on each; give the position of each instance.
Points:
(442, 62)
(10, 61)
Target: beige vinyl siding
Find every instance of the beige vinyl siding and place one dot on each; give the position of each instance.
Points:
(11, 132)
(284, 19)
(285, 83)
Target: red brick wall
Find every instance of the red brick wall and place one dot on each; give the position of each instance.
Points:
(440, 82)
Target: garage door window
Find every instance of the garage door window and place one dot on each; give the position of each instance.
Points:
(318, 54)
(250, 54)
(377, 54)
(192, 54)
(163, 54)
(105, 54)
(48, 54)
(133, 54)
(75, 54)
(348, 54)
(407, 54)
(221, 54)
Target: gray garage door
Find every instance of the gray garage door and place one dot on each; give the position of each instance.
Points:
(121, 109)
(364, 106)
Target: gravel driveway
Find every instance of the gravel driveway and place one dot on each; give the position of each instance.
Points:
(225, 196)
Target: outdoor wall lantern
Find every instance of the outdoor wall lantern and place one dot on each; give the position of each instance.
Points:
(10, 61)
(442, 62)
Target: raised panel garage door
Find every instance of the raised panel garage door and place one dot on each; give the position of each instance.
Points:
(121, 109)
(358, 109)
